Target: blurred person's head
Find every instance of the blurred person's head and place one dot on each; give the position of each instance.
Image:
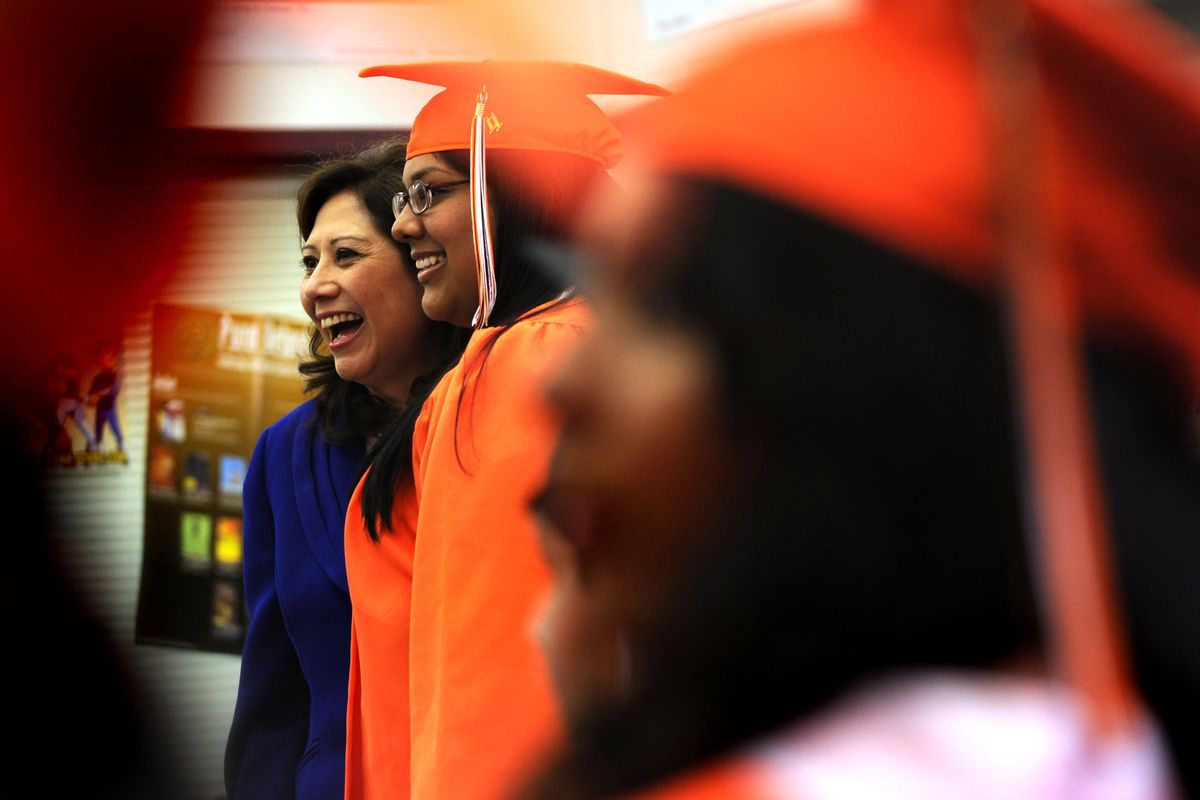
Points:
(808, 420)
(789, 458)
(647, 461)
(369, 341)
(107, 355)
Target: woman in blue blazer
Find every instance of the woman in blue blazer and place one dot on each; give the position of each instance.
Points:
(371, 345)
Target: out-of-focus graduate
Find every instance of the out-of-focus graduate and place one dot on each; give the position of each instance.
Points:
(877, 475)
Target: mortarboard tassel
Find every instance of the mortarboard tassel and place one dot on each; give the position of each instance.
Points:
(1071, 541)
(485, 271)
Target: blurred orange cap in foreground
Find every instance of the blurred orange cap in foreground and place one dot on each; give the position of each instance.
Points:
(885, 123)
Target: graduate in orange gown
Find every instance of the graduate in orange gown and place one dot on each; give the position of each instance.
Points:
(448, 694)
(900, 342)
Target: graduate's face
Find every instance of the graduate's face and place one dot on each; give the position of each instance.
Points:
(639, 471)
(441, 242)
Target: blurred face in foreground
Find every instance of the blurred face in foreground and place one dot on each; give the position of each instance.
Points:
(641, 467)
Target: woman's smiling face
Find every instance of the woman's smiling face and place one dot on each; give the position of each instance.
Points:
(441, 242)
(359, 291)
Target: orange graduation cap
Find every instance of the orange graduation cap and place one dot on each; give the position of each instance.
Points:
(531, 105)
(890, 122)
(539, 106)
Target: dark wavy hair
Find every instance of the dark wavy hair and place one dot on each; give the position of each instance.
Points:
(346, 409)
(535, 198)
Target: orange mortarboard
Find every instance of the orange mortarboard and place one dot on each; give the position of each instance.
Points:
(538, 106)
(531, 105)
(883, 122)
(1048, 147)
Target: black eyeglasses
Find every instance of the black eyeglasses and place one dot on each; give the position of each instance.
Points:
(420, 196)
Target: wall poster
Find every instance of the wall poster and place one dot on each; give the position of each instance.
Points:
(217, 379)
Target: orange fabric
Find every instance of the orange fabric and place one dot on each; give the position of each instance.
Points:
(732, 779)
(538, 106)
(873, 121)
(880, 123)
(380, 579)
(443, 605)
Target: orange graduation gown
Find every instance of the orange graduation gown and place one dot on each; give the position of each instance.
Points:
(449, 697)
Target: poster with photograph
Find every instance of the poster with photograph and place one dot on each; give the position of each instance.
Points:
(74, 417)
(217, 380)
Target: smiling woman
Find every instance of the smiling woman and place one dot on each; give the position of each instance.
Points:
(370, 343)
(441, 240)
(359, 291)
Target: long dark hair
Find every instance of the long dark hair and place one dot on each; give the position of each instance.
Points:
(346, 409)
(875, 527)
(535, 197)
